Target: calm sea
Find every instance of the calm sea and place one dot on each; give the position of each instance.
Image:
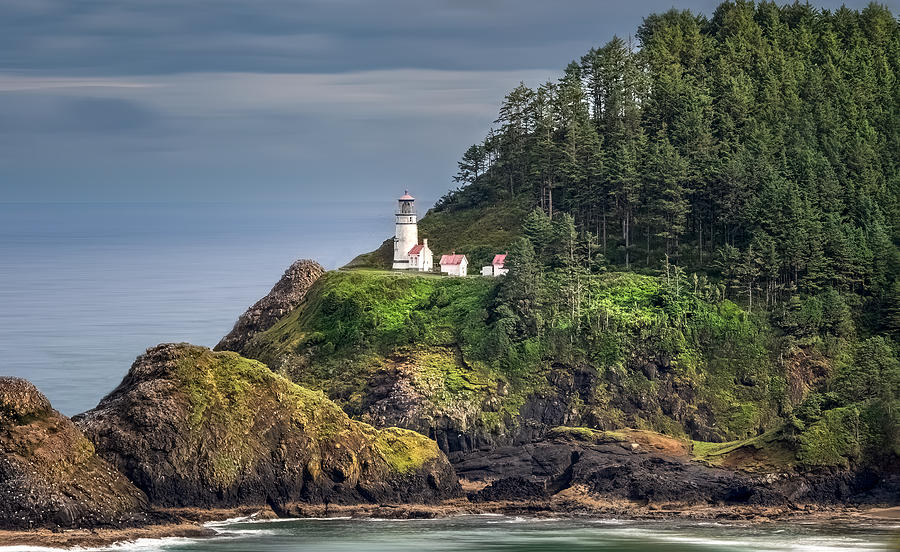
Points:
(85, 288)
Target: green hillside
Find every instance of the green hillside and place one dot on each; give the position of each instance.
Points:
(650, 355)
(706, 219)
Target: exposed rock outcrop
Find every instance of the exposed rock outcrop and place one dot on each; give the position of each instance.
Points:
(50, 475)
(649, 468)
(284, 297)
(193, 427)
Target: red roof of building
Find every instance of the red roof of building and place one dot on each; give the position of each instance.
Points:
(452, 259)
(416, 249)
(406, 196)
(499, 260)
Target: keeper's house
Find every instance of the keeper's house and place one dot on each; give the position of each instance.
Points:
(455, 265)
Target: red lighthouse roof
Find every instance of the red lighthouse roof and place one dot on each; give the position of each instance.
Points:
(406, 196)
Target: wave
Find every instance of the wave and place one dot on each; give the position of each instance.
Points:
(252, 519)
(139, 545)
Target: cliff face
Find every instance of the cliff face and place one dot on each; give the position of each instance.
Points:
(286, 295)
(648, 467)
(50, 475)
(192, 427)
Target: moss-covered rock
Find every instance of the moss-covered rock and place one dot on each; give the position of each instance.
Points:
(193, 427)
(50, 475)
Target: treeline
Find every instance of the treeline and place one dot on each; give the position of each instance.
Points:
(760, 146)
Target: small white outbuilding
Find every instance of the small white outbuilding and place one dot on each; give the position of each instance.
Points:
(420, 257)
(455, 265)
(496, 267)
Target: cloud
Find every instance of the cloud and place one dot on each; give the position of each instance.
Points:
(102, 37)
(43, 114)
(18, 83)
(239, 135)
(373, 94)
(272, 99)
(135, 37)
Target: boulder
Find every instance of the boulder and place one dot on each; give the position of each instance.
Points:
(50, 475)
(193, 427)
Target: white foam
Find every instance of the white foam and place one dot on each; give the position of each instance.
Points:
(20, 548)
(249, 519)
(136, 544)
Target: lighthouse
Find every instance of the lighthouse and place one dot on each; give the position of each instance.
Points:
(408, 253)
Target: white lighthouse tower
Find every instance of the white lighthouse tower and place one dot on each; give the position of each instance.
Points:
(408, 253)
(406, 233)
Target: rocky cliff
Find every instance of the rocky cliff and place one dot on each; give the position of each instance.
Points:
(284, 297)
(193, 427)
(50, 476)
(647, 467)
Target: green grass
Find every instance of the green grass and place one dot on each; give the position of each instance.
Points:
(348, 312)
(588, 434)
(767, 452)
(480, 233)
(714, 361)
(355, 323)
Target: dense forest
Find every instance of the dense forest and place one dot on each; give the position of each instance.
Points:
(747, 160)
(759, 147)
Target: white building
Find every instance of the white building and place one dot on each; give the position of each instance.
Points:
(408, 253)
(496, 267)
(421, 258)
(455, 265)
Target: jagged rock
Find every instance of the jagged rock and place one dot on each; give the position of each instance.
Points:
(193, 427)
(657, 475)
(511, 488)
(49, 474)
(284, 297)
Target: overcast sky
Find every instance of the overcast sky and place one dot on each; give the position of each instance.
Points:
(226, 100)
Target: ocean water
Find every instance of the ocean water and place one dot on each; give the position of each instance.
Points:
(501, 533)
(85, 288)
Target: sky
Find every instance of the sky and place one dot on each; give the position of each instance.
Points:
(272, 100)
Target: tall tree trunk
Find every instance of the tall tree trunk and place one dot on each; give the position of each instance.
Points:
(604, 231)
(648, 244)
(550, 199)
(700, 248)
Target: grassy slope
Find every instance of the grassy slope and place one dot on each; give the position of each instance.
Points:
(354, 324)
(479, 233)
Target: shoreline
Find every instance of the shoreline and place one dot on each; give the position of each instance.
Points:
(192, 521)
